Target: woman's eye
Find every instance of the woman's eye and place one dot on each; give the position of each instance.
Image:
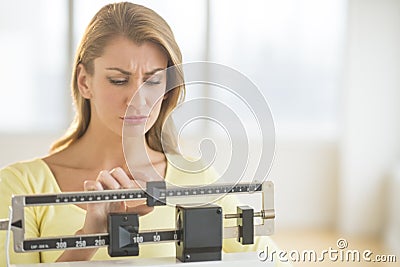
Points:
(118, 81)
(153, 82)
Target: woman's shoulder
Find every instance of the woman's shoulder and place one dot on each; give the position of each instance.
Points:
(28, 176)
(26, 167)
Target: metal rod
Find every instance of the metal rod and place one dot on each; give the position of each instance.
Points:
(265, 214)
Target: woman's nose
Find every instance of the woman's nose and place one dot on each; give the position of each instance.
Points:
(137, 98)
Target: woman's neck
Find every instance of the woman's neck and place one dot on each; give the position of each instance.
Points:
(106, 149)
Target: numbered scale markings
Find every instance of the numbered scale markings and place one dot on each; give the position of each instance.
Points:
(128, 194)
(86, 241)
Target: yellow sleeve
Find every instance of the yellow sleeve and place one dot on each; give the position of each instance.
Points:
(14, 182)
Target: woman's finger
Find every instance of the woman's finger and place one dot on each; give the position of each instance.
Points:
(90, 185)
(123, 179)
(107, 180)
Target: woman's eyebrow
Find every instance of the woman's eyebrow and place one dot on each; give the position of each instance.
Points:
(153, 71)
(129, 73)
(120, 70)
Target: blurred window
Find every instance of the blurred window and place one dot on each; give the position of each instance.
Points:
(33, 79)
(292, 50)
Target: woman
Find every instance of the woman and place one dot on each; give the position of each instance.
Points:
(124, 46)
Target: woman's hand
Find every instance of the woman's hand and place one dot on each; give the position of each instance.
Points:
(97, 213)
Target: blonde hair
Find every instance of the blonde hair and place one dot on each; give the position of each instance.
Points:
(139, 24)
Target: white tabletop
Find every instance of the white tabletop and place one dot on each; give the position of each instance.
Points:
(228, 259)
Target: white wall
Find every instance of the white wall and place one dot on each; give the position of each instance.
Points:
(305, 176)
(392, 226)
(17, 147)
(370, 143)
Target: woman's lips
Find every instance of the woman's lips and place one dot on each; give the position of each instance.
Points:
(135, 119)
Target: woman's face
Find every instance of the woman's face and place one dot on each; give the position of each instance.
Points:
(127, 86)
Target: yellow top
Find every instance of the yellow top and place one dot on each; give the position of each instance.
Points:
(35, 177)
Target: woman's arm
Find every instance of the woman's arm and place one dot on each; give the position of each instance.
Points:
(14, 182)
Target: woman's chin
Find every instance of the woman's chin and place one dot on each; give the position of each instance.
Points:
(134, 131)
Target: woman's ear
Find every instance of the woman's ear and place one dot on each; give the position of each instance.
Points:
(83, 82)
